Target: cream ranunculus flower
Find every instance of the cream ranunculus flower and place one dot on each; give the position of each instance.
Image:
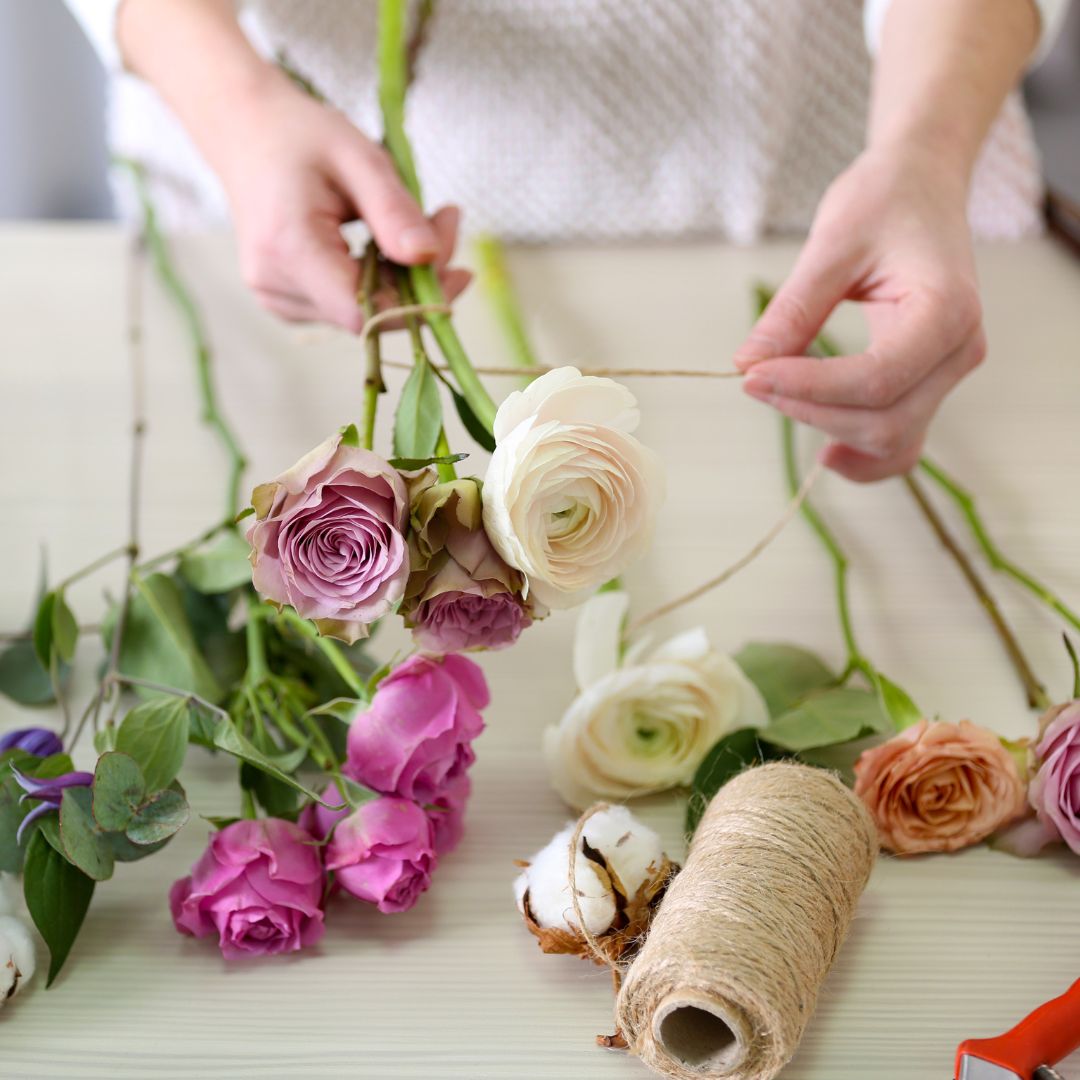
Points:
(570, 494)
(643, 724)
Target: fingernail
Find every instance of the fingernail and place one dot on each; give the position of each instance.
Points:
(418, 240)
(759, 386)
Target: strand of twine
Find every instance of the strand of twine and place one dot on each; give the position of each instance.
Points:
(403, 312)
(729, 572)
(575, 897)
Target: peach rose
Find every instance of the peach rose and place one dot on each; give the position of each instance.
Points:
(939, 787)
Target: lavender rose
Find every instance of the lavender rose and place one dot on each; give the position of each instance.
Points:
(258, 887)
(329, 540)
(415, 738)
(1055, 789)
(383, 852)
(461, 593)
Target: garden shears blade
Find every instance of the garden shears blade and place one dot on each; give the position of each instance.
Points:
(1031, 1049)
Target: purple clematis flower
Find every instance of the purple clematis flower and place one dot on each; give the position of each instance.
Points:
(48, 791)
(34, 740)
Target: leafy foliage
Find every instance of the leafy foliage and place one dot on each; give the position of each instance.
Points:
(784, 674)
(418, 420)
(220, 568)
(827, 718)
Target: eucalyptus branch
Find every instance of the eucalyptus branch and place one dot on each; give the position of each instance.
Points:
(183, 299)
(393, 85)
(965, 502)
(1036, 694)
(856, 659)
(160, 688)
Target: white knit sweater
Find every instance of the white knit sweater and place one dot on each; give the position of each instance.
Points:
(595, 119)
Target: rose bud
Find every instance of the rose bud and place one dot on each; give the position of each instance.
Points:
(621, 874)
(570, 495)
(461, 593)
(328, 538)
(17, 956)
(382, 852)
(39, 741)
(415, 738)
(939, 787)
(258, 887)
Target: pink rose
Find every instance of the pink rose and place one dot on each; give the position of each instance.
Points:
(447, 814)
(383, 852)
(1055, 788)
(461, 593)
(258, 886)
(328, 538)
(415, 738)
(939, 787)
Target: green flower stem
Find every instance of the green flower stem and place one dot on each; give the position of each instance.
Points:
(373, 381)
(248, 809)
(495, 283)
(856, 660)
(1036, 694)
(97, 564)
(965, 502)
(167, 272)
(257, 667)
(394, 66)
(329, 649)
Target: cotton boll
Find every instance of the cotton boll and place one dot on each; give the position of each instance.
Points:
(17, 960)
(547, 879)
(634, 853)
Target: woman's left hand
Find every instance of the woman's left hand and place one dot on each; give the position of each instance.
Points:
(892, 234)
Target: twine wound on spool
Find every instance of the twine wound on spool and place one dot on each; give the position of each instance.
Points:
(730, 972)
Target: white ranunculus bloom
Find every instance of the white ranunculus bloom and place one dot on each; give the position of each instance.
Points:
(17, 959)
(644, 724)
(570, 495)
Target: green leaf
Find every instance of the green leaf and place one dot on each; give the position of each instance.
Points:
(733, 753)
(353, 793)
(220, 568)
(222, 647)
(159, 819)
(419, 414)
(22, 676)
(158, 643)
(473, 426)
(65, 630)
(119, 790)
(898, 706)
(11, 816)
(784, 674)
(43, 630)
(49, 827)
(245, 513)
(155, 734)
(229, 739)
(57, 897)
(409, 464)
(125, 851)
(276, 798)
(826, 718)
(220, 821)
(84, 843)
(105, 738)
(350, 436)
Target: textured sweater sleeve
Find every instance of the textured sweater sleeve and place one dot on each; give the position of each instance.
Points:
(1051, 12)
(98, 20)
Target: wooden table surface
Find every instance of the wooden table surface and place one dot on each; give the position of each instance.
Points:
(943, 948)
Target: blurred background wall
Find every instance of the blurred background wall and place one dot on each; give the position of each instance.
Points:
(53, 159)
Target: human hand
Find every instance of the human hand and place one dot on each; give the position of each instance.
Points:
(891, 233)
(294, 171)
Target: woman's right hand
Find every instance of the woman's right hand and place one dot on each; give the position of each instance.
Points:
(295, 170)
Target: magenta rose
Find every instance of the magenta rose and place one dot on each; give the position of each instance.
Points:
(415, 738)
(382, 852)
(447, 814)
(1055, 789)
(329, 540)
(258, 887)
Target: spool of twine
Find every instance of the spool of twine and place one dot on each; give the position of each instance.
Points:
(729, 975)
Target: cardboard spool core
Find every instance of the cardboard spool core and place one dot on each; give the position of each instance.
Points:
(693, 1032)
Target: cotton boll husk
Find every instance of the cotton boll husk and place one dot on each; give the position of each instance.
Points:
(17, 956)
(633, 851)
(547, 879)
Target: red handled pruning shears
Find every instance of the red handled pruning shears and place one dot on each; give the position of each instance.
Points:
(1028, 1052)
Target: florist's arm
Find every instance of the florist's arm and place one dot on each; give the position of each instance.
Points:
(294, 170)
(892, 232)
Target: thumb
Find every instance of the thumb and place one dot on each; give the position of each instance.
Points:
(798, 310)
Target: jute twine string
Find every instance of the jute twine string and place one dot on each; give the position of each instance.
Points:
(730, 972)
